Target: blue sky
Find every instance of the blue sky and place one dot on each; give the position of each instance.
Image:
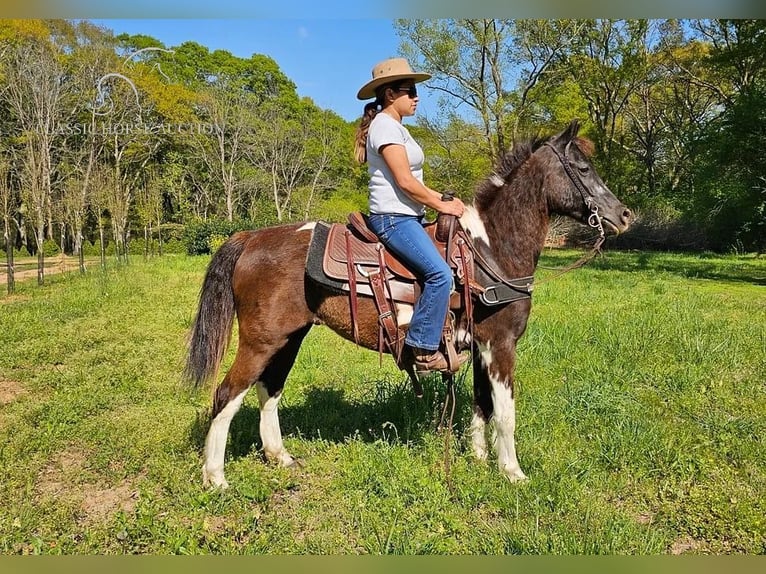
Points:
(329, 60)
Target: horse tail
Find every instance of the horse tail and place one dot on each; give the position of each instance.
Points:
(211, 332)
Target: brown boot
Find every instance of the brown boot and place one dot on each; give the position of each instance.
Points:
(428, 360)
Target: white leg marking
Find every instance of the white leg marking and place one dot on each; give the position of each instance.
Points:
(471, 221)
(403, 314)
(504, 417)
(478, 432)
(215, 443)
(271, 434)
(308, 227)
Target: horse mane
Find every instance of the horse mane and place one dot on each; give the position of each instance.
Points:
(505, 169)
(512, 160)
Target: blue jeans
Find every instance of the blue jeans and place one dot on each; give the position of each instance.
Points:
(405, 237)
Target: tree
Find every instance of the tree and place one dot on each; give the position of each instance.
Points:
(470, 62)
(8, 206)
(91, 60)
(490, 66)
(731, 191)
(227, 108)
(36, 84)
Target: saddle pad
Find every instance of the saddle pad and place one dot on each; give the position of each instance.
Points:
(403, 291)
(316, 255)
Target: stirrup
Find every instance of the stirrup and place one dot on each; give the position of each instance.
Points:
(455, 360)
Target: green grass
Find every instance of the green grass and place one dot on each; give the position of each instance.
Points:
(641, 424)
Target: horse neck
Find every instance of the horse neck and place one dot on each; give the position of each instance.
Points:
(516, 221)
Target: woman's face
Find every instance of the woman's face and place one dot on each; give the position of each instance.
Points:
(405, 98)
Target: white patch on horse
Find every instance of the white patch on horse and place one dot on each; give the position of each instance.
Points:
(271, 435)
(478, 434)
(308, 226)
(496, 180)
(403, 314)
(463, 337)
(215, 443)
(504, 419)
(471, 222)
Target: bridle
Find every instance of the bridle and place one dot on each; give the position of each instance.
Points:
(594, 219)
(505, 291)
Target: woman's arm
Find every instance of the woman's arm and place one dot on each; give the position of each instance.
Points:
(395, 156)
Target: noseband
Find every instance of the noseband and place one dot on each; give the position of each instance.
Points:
(594, 219)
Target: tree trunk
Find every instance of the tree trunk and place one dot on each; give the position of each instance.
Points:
(81, 256)
(159, 237)
(9, 245)
(102, 247)
(40, 235)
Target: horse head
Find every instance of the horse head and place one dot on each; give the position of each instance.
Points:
(576, 189)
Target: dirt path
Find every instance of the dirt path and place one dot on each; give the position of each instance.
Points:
(26, 267)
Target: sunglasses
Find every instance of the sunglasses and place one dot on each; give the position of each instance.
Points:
(412, 91)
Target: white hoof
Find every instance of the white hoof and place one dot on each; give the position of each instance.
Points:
(284, 459)
(514, 474)
(214, 479)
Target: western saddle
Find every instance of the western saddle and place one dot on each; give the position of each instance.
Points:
(355, 260)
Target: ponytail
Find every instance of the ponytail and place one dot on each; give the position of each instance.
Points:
(360, 141)
(370, 111)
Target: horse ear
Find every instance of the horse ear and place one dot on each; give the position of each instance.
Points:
(571, 132)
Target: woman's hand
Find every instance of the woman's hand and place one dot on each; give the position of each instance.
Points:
(453, 206)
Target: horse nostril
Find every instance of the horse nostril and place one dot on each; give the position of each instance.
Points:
(626, 216)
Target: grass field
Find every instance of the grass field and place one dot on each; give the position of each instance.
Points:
(641, 424)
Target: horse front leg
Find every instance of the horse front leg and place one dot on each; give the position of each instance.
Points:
(482, 406)
(493, 391)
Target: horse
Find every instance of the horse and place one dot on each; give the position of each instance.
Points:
(260, 277)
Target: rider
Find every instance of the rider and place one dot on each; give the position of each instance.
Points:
(398, 199)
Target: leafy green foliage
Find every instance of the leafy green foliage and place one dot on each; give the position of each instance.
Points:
(201, 236)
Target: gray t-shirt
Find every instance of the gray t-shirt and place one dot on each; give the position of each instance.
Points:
(385, 195)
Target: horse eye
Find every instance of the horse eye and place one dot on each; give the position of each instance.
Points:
(583, 170)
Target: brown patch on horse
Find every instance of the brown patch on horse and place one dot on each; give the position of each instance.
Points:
(586, 146)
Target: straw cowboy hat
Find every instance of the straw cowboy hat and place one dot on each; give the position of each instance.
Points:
(389, 71)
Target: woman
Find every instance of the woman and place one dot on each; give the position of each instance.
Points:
(398, 199)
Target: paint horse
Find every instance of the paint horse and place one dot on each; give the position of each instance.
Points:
(260, 276)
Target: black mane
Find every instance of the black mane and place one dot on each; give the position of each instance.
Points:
(505, 168)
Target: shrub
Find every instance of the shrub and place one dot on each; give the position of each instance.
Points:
(173, 246)
(215, 240)
(50, 248)
(198, 234)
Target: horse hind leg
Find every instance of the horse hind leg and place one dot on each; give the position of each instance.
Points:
(268, 368)
(228, 400)
(269, 389)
